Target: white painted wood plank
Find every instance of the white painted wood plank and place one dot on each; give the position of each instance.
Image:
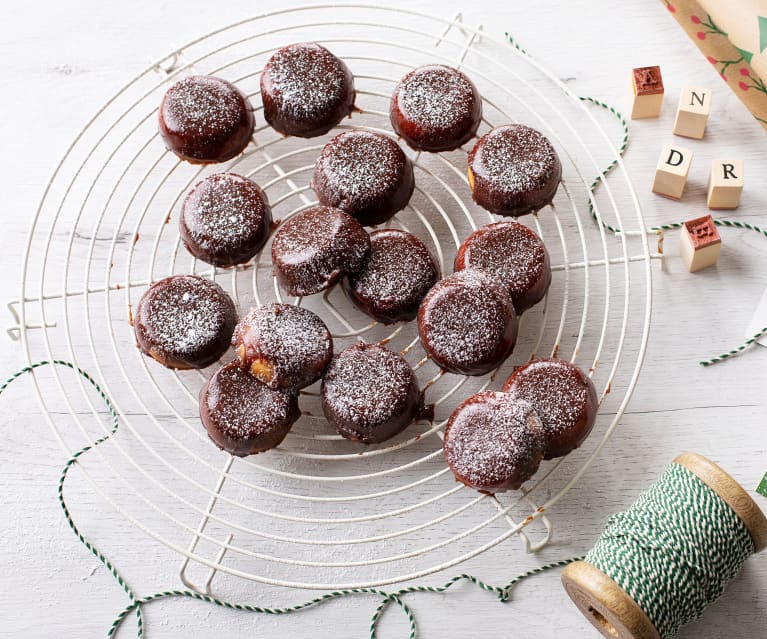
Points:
(60, 61)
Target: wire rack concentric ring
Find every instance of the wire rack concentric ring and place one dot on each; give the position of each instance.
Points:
(318, 511)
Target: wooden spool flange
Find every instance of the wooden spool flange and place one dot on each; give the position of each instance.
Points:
(608, 607)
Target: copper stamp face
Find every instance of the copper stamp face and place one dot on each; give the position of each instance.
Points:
(702, 232)
(648, 81)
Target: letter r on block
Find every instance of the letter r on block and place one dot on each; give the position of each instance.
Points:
(725, 184)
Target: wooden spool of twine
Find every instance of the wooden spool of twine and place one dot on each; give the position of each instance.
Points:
(660, 563)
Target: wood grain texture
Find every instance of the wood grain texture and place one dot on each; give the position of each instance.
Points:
(605, 604)
(60, 61)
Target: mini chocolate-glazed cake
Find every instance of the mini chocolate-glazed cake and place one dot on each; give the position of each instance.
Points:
(225, 220)
(316, 247)
(513, 170)
(242, 415)
(514, 255)
(494, 442)
(204, 119)
(394, 278)
(435, 108)
(184, 321)
(306, 90)
(564, 398)
(365, 174)
(369, 393)
(467, 323)
(285, 346)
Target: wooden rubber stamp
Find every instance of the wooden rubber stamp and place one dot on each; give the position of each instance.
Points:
(725, 184)
(692, 113)
(672, 171)
(646, 92)
(699, 243)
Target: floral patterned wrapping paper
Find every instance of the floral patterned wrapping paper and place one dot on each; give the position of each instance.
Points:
(732, 34)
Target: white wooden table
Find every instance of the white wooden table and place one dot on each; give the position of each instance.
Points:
(60, 61)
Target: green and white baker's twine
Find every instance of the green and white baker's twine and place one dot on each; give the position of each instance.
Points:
(662, 227)
(674, 550)
(503, 593)
(693, 509)
(666, 227)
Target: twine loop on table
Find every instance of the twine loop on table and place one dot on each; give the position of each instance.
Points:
(674, 550)
(659, 229)
(503, 593)
(615, 529)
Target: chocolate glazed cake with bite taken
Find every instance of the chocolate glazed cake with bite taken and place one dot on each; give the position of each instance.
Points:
(204, 119)
(435, 108)
(285, 346)
(365, 174)
(306, 90)
(494, 442)
(513, 170)
(514, 255)
(467, 323)
(315, 247)
(564, 398)
(225, 220)
(394, 278)
(242, 415)
(184, 321)
(370, 393)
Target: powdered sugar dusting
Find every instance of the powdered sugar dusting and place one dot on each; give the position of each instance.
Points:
(294, 340)
(359, 167)
(201, 105)
(437, 97)
(183, 314)
(314, 247)
(367, 385)
(514, 159)
(396, 275)
(557, 389)
(224, 216)
(508, 251)
(464, 318)
(243, 408)
(492, 440)
(306, 81)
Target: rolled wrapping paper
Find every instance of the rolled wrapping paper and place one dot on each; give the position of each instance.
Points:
(733, 37)
(659, 564)
(745, 23)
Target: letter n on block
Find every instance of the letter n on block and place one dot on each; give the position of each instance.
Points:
(725, 184)
(699, 243)
(692, 113)
(672, 171)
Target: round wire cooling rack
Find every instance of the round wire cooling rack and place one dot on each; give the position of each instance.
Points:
(318, 511)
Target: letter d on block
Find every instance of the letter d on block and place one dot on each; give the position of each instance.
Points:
(672, 171)
(675, 157)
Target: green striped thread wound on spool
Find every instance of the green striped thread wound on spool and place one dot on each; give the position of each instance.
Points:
(659, 565)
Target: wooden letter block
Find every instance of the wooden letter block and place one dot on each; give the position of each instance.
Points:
(646, 92)
(725, 184)
(671, 172)
(699, 243)
(692, 113)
